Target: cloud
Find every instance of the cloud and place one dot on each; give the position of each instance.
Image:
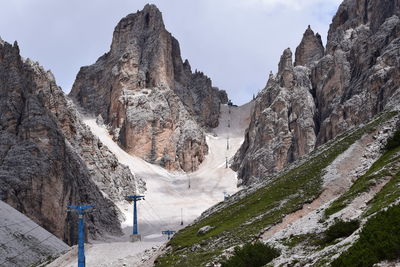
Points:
(289, 4)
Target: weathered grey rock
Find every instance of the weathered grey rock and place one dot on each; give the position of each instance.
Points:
(310, 49)
(353, 13)
(285, 69)
(357, 78)
(150, 98)
(99, 120)
(48, 158)
(282, 127)
(286, 61)
(204, 230)
(360, 74)
(223, 96)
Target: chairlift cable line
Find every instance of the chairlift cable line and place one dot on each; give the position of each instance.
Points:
(143, 216)
(162, 221)
(156, 214)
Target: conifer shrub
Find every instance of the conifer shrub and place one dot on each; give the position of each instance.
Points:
(393, 141)
(252, 255)
(340, 229)
(379, 241)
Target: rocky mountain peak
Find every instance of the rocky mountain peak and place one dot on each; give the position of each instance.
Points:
(134, 27)
(271, 79)
(154, 103)
(186, 66)
(325, 94)
(281, 129)
(285, 69)
(286, 60)
(310, 49)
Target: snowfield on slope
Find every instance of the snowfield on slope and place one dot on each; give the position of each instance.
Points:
(168, 198)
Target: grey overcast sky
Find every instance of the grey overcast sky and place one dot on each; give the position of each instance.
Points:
(235, 42)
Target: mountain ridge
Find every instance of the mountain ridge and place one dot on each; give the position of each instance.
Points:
(355, 79)
(49, 158)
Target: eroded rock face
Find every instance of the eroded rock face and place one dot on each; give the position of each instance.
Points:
(358, 77)
(150, 98)
(48, 158)
(282, 125)
(360, 74)
(310, 49)
(353, 13)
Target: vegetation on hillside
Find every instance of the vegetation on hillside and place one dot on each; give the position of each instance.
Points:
(242, 221)
(385, 167)
(254, 255)
(340, 229)
(379, 241)
(394, 141)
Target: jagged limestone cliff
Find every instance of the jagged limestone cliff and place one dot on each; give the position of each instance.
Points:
(282, 127)
(356, 78)
(48, 158)
(152, 101)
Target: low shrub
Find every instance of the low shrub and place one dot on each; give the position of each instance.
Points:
(393, 141)
(340, 229)
(252, 255)
(379, 241)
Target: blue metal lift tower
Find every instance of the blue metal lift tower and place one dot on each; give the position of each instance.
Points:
(81, 210)
(135, 233)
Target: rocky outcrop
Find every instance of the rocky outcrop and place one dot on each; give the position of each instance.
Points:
(360, 74)
(353, 13)
(310, 49)
(282, 124)
(200, 97)
(152, 101)
(357, 78)
(223, 96)
(48, 158)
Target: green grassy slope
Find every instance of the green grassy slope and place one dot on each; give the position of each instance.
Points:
(242, 221)
(385, 167)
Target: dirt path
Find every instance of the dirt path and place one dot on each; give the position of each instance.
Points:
(337, 180)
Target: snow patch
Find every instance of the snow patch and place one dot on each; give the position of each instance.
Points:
(169, 201)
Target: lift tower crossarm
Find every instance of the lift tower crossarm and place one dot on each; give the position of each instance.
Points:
(168, 233)
(80, 209)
